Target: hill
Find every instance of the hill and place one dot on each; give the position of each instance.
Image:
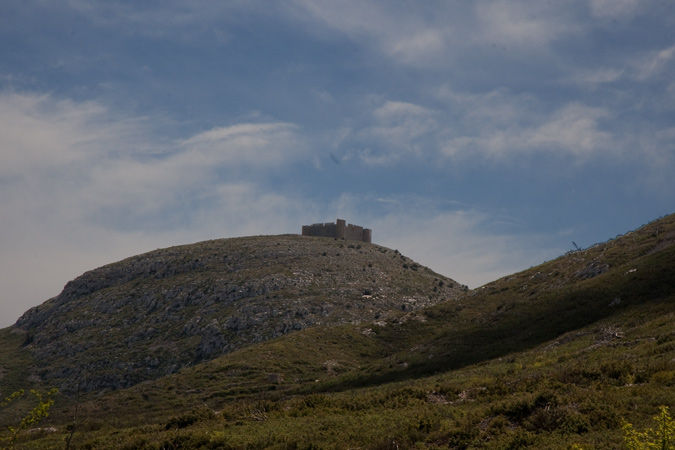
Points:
(556, 355)
(150, 315)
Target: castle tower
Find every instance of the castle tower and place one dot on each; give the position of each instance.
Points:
(341, 230)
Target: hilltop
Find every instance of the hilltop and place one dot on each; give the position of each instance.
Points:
(153, 314)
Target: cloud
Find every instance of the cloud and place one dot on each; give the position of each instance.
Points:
(88, 156)
(39, 132)
(498, 125)
(394, 130)
(521, 24)
(439, 33)
(81, 186)
(654, 63)
(494, 125)
(614, 9)
(419, 47)
(401, 33)
(493, 108)
(430, 35)
(464, 129)
(267, 144)
(398, 125)
(473, 247)
(572, 130)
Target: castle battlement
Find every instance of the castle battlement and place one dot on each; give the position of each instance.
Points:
(339, 230)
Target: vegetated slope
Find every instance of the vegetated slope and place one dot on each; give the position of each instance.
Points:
(551, 356)
(514, 314)
(510, 315)
(521, 311)
(575, 389)
(149, 315)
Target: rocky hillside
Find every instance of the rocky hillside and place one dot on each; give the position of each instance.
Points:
(152, 314)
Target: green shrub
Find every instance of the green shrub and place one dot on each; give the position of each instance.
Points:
(665, 378)
(190, 418)
(34, 417)
(662, 437)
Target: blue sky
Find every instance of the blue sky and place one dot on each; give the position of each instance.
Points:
(479, 138)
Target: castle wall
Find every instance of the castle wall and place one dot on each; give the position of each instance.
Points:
(320, 229)
(339, 230)
(354, 233)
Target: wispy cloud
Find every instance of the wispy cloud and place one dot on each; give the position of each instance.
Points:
(83, 186)
(110, 163)
(398, 130)
(575, 129)
(266, 144)
(522, 24)
(499, 124)
(438, 33)
(493, 125)
(41, 133)
(654, 63)
(403, 33)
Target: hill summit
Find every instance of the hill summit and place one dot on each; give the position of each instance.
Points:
(150, 315)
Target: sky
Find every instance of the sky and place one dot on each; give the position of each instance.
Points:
(478, 138)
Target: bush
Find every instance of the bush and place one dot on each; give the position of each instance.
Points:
(662, 437)
(190, 418)
(33, 417)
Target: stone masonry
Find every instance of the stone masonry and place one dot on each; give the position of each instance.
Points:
(339, 230)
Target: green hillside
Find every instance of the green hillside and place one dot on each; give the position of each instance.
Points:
(557, 355)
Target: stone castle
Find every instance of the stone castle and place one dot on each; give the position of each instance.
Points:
(339, 230)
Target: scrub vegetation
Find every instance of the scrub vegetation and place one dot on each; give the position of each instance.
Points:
(576, 353)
